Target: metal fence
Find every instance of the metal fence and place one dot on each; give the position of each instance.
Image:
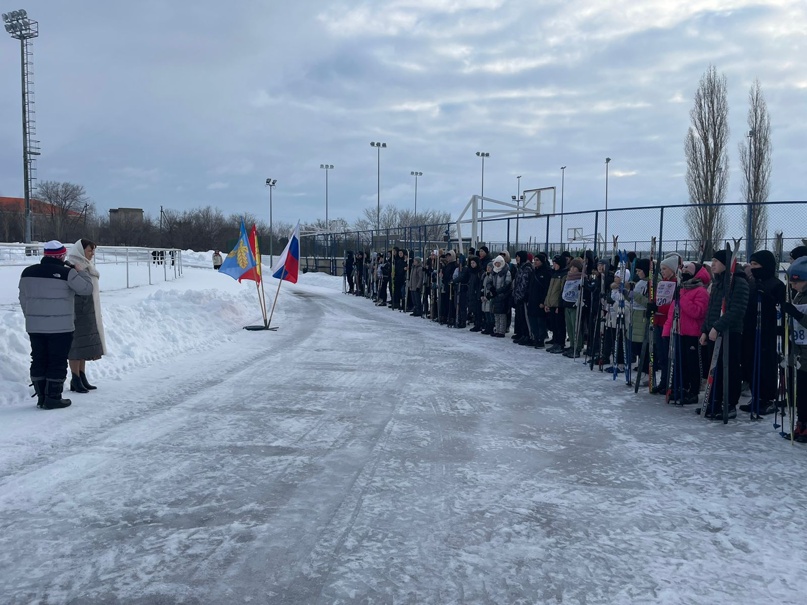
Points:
(583, 230)
(142, 265)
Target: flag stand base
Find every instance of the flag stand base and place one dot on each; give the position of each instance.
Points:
(259, 328)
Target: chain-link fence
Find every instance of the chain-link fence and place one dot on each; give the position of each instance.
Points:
(680, 228)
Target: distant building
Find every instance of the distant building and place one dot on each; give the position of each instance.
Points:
(125, 216)
(17, 205)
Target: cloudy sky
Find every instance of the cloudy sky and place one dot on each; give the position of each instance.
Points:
(183, 105)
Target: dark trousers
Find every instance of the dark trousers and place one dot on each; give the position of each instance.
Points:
(49, 355)
(475, 309)
(801, 396)
(661, 352)
(445, 304)
(416, 301)
(397, 292)
(557, 323)
(537, 325)
(521, 328)
(735, 352)
(690, 365)
(462, 311)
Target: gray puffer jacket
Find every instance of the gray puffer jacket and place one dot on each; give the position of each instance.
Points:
(47, 293)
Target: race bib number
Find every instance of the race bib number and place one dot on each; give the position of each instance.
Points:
(570, 289)
(665, 290)
(799, 331)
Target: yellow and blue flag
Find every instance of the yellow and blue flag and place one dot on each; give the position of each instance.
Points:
(240, 259)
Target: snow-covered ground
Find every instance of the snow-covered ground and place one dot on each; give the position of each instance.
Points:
(359, 455)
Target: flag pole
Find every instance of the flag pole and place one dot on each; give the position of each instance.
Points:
(279, 283)
(260, 303)
(263, 303)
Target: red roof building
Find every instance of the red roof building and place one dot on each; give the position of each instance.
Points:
(17, 204)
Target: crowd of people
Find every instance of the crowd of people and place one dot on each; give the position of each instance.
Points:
(662, 324)
(60, 299)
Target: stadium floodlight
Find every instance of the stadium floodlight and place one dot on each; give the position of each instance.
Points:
(24, 29)
(379, 146)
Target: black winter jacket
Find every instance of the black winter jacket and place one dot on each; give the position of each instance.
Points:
(736, 304)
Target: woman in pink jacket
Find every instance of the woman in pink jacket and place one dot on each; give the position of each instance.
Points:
(693, 303)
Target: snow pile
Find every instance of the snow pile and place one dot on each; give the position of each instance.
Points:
(146, 324)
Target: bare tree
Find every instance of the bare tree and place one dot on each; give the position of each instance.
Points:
(707, 160)
(755, 159)
(68, 206)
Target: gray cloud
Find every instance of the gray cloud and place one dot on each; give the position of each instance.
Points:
(156, 104)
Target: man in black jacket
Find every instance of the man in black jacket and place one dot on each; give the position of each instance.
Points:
(447, 294)
(730, 324)
(538, 288)
(767, 293)
(47, 293)
(523, 335)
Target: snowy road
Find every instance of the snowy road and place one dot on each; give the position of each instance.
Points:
(359, 455)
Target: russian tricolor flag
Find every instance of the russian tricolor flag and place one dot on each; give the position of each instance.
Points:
(288, 264)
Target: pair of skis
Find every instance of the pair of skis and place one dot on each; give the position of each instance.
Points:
(675, 380)
(602, 319)
(578, 320)
(649, 336)
(721, 342)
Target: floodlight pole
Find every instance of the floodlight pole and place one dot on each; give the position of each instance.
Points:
(483, 155)
(327, 168)
(23, 29)
(562, 186)
(607, 161)
(378, 146)
(271, 184)
(416, 175)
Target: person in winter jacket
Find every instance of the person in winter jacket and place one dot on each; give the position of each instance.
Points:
(349, 265)
(521, 292)
(730, 325)
(359, 273)
(768, 293)
(462, 275)
(47, 292)
(501, 289)
(570, 298)
(513, 270)
(797, 310)
(538, 288)
(616, 333)
(557, 321)
(600, 290)
(217, 260)
(637, 325)
(447, 303)
(415, 285)
(661, 345)
(88, 342)
(399, 280)
(475, 277)
(693, 300)
(484, 258)
(487, 299)
(383, 272)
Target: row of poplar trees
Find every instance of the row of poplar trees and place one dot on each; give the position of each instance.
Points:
(707, 157)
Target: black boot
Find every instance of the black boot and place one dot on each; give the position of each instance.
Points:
(76, 385)
(86, 382)
(39, 385)
(53, 396)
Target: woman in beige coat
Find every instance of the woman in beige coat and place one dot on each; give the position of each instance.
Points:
(88, 338)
